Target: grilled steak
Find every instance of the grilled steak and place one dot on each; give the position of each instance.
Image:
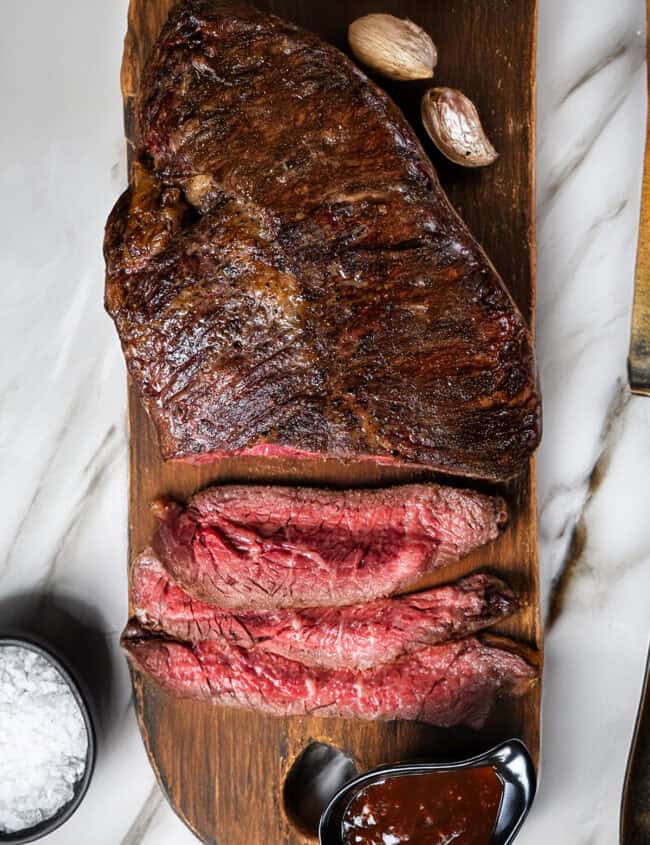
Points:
(358, 636)
(286, 274)
(264, 547)
(449, 684)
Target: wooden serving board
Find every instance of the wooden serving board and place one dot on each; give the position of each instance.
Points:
(224, 770)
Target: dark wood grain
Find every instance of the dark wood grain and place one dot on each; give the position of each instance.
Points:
(639, 357)
(223, 770)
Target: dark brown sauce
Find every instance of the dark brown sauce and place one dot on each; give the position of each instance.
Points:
(440, 808)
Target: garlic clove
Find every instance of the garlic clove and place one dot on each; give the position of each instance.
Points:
(394, 47)
(453, 124)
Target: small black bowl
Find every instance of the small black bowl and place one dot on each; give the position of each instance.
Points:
(510, 760)
(31, 834)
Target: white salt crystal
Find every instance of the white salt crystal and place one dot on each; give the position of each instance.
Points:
(43, 739)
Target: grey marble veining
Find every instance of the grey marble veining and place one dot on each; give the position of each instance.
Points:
(63, 410)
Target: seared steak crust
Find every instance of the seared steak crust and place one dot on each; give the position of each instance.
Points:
(288, 277)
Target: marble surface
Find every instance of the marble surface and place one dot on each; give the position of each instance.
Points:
(62, 398)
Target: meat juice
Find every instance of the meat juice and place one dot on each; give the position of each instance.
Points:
(440, 808)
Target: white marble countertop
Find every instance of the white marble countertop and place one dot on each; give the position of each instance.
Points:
(62, 397)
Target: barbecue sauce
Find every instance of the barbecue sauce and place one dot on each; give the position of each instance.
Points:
(458, 807)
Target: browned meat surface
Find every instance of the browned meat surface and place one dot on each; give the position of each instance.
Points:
(355, 637)
(286, 274)
(251, 546)
(450, 684)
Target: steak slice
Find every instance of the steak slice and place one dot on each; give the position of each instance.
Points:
(449, 684)
(287, 276)
(356, 637)
(247, 546)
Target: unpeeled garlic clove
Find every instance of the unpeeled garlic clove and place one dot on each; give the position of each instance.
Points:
(453, 124)
(394, 47)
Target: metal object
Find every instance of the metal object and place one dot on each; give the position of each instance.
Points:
(42, 829)
(635, 806)
(511, 761)
(639, 358)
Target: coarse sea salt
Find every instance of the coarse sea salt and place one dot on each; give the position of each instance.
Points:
(43, 739)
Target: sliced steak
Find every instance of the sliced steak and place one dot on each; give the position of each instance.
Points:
(286, 274)
(450, 684)
(265, 547)
(357, 636)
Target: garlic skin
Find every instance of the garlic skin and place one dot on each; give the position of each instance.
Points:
(394, 47)
(453, 124)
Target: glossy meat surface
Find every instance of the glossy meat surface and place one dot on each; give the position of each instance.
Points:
(449, 684)
(355, 636)
(255, 546)
(287, 276)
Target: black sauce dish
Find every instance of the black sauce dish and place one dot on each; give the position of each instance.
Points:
(31, 834)
(511, 761)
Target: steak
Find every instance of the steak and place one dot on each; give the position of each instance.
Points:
(287, 276)
(450, 684)
(356, 637)
(264, 547)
